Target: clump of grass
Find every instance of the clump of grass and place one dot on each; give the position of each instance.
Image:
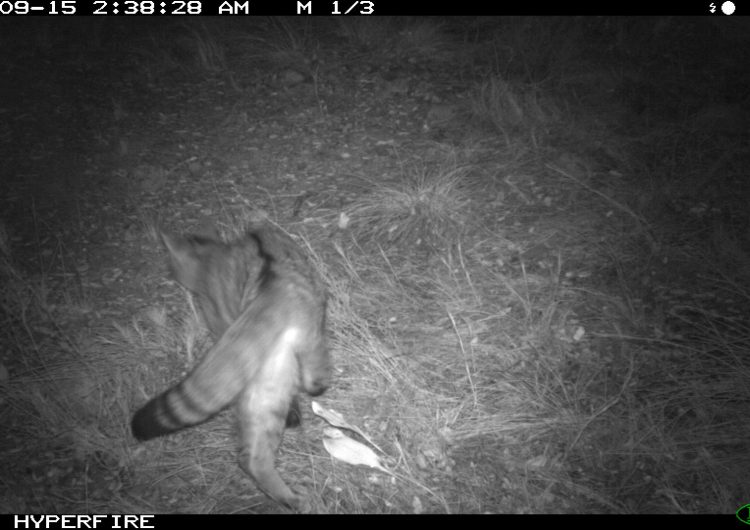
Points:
(388, 38)
(190, 48)
(367, 32)
(427, 210)
(281, 43)
(512, 108)
(203, 46)
(421, 39)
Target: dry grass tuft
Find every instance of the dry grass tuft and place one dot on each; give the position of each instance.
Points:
(426, 210)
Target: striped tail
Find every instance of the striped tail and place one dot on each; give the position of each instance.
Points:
(212, 385)
(169, 412)
(173, 410)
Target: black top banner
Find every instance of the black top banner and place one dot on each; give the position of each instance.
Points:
(344, 8)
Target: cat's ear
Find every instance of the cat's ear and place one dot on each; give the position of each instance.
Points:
(184, 258)
(178, 246)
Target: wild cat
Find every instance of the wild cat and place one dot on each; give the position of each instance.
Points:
(265, 305)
